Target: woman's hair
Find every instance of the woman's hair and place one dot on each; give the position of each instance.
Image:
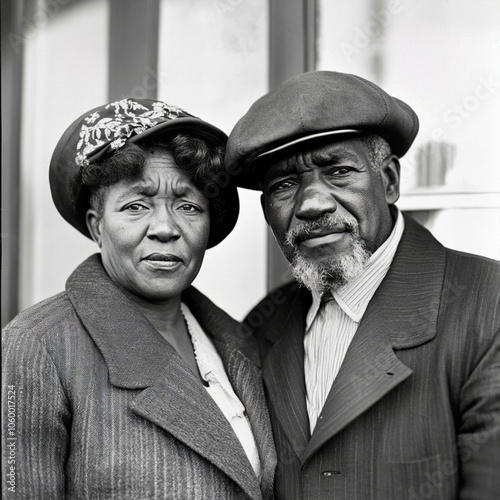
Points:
(200, 159)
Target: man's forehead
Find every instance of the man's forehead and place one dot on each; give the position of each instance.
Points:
(352, 149)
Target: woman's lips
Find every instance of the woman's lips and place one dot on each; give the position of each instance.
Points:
(163, 261)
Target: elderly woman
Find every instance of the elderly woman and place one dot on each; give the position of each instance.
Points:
(131, 384)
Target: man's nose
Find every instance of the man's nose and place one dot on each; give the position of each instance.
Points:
(163, 225)
(314, 199)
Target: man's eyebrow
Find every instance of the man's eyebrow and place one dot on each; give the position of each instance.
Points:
(278, 169)
(329, 156)
(272, 175)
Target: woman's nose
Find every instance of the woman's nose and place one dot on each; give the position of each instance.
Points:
(163, 226)
(315, 199)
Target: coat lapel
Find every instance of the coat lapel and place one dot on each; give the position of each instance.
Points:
(239, 356)
(138, 357)
(402, 314)
(369, 371)
(179, 404)
(284, 369)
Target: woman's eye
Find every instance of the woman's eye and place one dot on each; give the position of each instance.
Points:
(188, 207)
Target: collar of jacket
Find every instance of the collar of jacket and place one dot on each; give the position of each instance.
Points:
(134, 351)
(414, 281)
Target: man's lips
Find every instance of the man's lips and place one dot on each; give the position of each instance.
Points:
(320, 237)
(318, 233)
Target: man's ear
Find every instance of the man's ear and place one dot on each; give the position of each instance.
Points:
(390, 172)
(263, 207)
(94, 225)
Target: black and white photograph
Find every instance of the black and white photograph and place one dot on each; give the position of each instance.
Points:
(250, 249)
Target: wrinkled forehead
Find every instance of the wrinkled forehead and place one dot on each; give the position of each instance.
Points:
(317, 153)
(162, 171)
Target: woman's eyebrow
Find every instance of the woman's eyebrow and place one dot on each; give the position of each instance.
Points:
(186, 190)
(137, 188)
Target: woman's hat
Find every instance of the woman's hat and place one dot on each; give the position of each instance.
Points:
(101, 131)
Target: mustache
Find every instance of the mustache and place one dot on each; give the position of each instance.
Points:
(326, 221)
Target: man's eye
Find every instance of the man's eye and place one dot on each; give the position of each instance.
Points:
(339, 171)
(280, 186)
(135, 207)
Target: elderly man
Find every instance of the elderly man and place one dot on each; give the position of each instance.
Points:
(381, 361)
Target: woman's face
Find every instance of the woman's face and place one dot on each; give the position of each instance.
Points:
(153, 232)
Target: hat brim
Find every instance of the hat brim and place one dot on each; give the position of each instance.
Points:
(305, 139)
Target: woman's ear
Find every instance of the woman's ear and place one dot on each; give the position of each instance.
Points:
(390, 171)
(94, 225)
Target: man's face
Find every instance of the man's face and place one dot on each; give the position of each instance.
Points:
(327, 206)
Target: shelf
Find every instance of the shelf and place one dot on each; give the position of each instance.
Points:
(440, 200)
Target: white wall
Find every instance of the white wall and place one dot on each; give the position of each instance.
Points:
(65, 71)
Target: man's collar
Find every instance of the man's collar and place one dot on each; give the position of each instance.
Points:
(353, 298)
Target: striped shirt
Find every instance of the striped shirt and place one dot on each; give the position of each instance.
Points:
(219, 387)
(331, 328)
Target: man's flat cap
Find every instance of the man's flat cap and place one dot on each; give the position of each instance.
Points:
(312, 105)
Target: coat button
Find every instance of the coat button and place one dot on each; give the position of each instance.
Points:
(329, 473)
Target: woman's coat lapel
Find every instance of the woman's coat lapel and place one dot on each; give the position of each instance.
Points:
(137, 357)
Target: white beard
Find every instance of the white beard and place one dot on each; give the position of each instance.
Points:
(336, 271)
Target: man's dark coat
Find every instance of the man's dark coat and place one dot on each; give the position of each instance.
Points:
(414, 412)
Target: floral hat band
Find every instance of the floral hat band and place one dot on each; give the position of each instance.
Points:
(110, 127)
